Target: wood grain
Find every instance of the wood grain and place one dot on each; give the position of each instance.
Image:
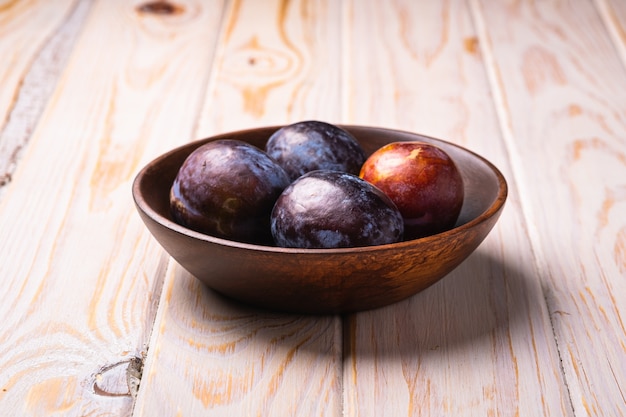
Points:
(479, 342)
(81, 275)
(210, 356)
(278, 62)
(36, 39)
(563, 110)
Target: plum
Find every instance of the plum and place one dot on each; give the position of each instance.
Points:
(422, 180)
(334, 209)
(227, 188)
(313, 145)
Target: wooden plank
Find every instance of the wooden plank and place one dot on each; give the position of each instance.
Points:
(210, 356)
(36, 39)
(479, 342)
(81, 276)
(280, 70)
(562, 92)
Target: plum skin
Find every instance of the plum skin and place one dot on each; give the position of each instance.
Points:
(422, 180)
(314, 145)
(227, 188)
(334, 209)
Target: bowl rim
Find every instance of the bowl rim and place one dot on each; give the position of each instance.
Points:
(142, 204)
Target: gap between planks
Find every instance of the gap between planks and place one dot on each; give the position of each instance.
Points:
(616, 33)
(499, 100)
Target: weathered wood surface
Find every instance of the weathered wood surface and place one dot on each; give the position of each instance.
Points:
(564, 116)
(36, 39)
(81, 279)
(531, 324)
(480, 341)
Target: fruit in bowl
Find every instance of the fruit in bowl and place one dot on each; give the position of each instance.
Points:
(314, 145)
(227, 188)
(334, 209)
(422, 180)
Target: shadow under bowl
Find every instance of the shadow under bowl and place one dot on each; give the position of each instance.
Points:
(322, 281)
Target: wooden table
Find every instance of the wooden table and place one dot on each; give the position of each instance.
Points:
(97, 320)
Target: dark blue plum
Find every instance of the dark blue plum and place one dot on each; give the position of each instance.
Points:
(227, 188)
(333, 209)
(313, 145)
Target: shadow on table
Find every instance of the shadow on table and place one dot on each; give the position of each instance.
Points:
(482, 304)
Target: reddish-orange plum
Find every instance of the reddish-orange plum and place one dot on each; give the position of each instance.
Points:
(422, 180)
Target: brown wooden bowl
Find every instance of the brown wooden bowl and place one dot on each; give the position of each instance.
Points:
(322, 280)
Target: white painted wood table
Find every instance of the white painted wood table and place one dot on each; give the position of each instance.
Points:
(96, 319)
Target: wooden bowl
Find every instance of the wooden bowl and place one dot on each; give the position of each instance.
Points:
(322, 280)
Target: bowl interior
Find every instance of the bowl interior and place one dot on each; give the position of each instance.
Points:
(323, 280)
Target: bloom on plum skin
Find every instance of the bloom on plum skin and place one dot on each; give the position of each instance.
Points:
(314, 145)
(333, 209)
(227, 188)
